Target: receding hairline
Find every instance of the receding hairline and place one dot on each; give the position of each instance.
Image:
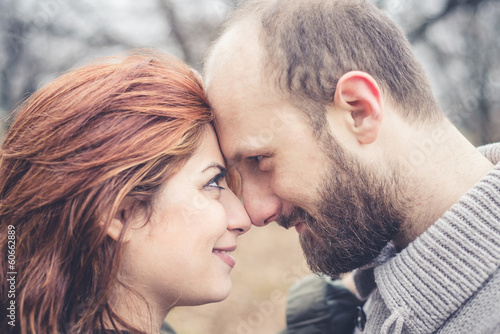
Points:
(393, 65)
(229, 45)
(246, 16)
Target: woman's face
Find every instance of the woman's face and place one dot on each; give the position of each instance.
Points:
(183, 255)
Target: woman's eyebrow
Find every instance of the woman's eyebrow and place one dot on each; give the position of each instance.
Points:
(214, 165)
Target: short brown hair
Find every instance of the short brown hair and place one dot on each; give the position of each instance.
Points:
(77, 148)
(310, 44)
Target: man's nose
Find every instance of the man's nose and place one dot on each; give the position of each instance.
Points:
(262, 205)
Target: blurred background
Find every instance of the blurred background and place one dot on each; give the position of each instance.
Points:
(456, 40)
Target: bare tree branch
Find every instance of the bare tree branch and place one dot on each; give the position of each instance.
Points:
(449, 8)
(176, 30)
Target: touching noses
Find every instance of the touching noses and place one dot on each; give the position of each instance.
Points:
(262, 205)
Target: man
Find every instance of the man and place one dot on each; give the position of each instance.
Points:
(329, 119)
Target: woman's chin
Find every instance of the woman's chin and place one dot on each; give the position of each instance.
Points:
(218, 294)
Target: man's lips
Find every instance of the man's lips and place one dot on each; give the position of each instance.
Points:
(285, 223)
(300, 227)
(224, 254)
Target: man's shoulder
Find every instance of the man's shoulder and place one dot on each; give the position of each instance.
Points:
(479, 314)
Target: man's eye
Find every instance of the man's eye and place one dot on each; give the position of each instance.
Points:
(256, 158)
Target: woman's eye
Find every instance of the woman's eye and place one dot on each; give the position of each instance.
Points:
(216, 181)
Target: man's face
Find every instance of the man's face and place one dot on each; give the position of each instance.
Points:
(344, 214)
(273, 149)
(358, 213)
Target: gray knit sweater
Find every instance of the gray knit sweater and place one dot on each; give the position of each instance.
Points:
(448, 279)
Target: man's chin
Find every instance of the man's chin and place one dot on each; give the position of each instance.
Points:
(333, 270)
(325, 259)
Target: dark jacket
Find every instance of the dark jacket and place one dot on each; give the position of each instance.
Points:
(320, 305)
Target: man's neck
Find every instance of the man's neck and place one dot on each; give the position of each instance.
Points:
(441, 168)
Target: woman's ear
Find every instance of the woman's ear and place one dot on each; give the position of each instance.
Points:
(118, 222)
(359, 96)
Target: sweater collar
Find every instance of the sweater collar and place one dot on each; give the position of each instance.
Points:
(432, 277)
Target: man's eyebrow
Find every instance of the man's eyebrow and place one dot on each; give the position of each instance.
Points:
(236, 159)
(241, 152)
(214, 165)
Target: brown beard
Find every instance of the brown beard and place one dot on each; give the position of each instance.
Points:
(357, 215)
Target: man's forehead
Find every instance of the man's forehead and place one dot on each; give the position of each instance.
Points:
(236, 49)
(238, 137)
(248, 126)
(229, 133)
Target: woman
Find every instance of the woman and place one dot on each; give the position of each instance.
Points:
(114, 205)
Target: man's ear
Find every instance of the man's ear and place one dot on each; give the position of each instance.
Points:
(118, 222)
(358, 94)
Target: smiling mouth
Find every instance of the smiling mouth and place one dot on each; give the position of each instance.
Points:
(225, 255)
(221, 251)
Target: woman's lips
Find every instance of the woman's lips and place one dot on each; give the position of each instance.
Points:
(225, 256)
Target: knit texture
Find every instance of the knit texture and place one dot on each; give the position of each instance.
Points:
(448, 279)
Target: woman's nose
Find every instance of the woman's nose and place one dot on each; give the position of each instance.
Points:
(237, 217)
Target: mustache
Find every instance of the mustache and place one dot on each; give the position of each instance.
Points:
(297, 215)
